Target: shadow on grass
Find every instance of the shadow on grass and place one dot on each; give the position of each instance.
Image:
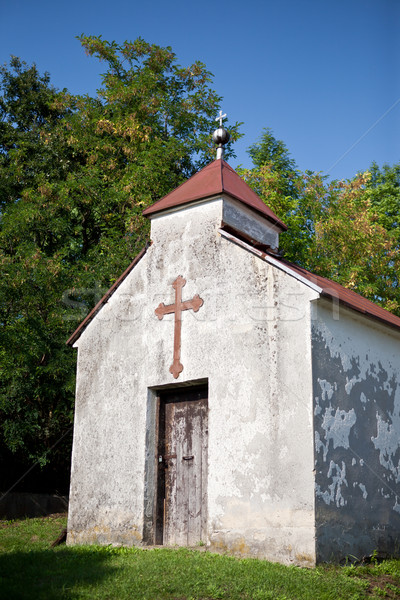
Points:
(104, 572)
(51, 574)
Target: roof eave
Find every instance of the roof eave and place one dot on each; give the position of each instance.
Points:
(372, 317)
(311, 281)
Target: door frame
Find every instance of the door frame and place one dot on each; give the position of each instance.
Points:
(153, 513)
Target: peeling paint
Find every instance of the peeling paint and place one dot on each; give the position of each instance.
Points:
(265, 404)
(327, 389)
(334, 491)
(351, 383)
(337, 428)
(364, 490)
(358, 474)
(387, 439)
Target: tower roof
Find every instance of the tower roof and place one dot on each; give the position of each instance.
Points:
(215, 179)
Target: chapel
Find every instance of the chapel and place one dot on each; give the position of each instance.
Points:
(229, 398)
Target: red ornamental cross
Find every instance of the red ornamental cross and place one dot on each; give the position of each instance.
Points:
(194, 304)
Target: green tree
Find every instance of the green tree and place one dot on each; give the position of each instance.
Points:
(272, 153)
(351, 246)
(29, 107)
(75, 176)
(384, 192)
(36, 379)
(343, 230)
(277, 180)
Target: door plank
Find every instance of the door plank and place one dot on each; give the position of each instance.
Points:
(186, 429)
(170, 476)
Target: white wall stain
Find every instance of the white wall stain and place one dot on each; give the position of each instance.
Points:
(337, 427)
(387, 439)
(327, 389)
(318, 408)
(334, 491)
(350, 383)
(388, 387)
(318, 443)
(364, 490)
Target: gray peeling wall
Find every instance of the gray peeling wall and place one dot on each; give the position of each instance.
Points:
(356, 376)
(250, 340)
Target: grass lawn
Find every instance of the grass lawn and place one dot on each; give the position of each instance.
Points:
(29, 568)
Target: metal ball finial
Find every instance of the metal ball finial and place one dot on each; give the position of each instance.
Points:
(220, 136)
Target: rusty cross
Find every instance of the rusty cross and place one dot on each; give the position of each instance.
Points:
(195, 303)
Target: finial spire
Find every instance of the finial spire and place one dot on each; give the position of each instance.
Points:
(220, 136)
(220, 118)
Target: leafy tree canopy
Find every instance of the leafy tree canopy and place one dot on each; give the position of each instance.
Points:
(343, 230)
(76, 173)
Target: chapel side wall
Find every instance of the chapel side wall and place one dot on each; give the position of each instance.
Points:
(106, 493)
(261, 481)
(356, 377)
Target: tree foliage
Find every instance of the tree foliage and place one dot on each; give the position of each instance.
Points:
(343, 230)
(272, 153)
(76, 173)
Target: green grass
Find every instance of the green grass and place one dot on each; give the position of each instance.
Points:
(29, 568)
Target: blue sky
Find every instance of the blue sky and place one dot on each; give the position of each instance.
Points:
(323, 74)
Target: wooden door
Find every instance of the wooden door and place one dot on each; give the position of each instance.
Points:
(185, 416)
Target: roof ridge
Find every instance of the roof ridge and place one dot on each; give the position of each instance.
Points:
(215, 178)
(179, 186)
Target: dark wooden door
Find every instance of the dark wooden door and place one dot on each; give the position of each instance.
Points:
(185, 467)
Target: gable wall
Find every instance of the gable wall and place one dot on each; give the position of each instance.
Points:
(251, 341)
(356, 376)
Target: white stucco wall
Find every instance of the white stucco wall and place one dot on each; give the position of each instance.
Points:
(251, 341)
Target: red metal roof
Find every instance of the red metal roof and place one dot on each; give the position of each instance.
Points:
(347, 297)
(216, 178)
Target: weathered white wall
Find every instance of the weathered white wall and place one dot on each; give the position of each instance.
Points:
(251, 340)
(356, 376)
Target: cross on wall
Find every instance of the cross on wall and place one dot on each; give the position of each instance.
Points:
(194, 304)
